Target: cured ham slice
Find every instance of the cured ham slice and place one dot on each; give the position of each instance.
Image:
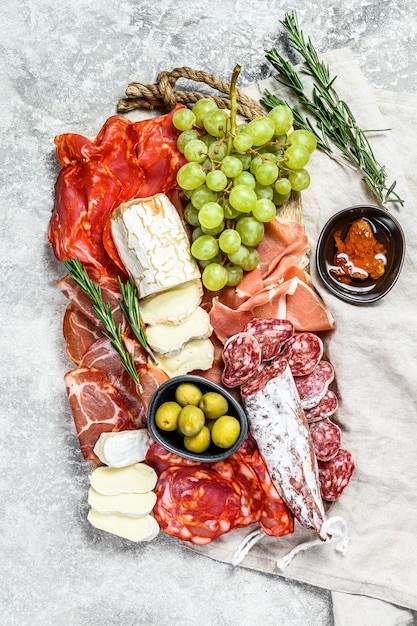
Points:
(79, 333)
(96, 407)
(102, 356)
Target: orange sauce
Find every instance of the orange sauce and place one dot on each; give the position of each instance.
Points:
(359, 256)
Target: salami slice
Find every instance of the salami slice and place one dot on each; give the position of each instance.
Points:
(271, 334)
(326, 439)
(313, 387)
(325, 408)
(195, 504)
(242, 357)
(334, 475)
(303, 351)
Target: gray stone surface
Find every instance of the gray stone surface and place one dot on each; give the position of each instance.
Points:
(63, 68)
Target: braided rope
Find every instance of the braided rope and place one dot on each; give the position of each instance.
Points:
(163, 95)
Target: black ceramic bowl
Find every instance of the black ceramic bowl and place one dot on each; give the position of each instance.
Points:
(386, 230)
(173, 441)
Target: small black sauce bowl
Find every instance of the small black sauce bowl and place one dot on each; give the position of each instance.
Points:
(387, 231)
(173, 441)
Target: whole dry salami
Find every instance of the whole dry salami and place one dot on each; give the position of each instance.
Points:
(335, 474)
(313, 387)
(326, 439)
(242, 357)
(303, 351)
(271, 334)
(325, 408)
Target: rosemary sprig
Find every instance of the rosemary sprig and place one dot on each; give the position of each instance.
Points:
(130, 308)
(335, 121)
(103, 311)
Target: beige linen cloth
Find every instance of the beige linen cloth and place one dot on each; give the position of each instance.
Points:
(373, 350)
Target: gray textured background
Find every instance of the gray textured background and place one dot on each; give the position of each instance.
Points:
(63, 68)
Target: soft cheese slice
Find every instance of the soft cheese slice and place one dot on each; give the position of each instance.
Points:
(196, 355)
(143, 528)
(172, 306)
(126, 447)
(153, 244)
(130, 504)
(137, 478)
(168, 339)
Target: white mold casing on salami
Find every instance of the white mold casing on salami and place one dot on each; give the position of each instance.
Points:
(278, 424)
(153, 244)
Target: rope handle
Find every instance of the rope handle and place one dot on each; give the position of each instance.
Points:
(163, 95)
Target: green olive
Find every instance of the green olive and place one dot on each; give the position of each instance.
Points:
(166, 416)
(188, 393)
(190, 420)
(225, 431)
(199, 442)
(213, 404)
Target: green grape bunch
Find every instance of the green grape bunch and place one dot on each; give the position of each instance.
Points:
(235, 179)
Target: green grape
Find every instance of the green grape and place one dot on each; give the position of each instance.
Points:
(256, 161)
(231, 166)
(204, 247)
(242, 198)
(207, 164)
(245, 178)
(245, 159)
(269, 156)
(283, 186)
(241, 128)
(183, 119)
(217, 151)
(252, 261)
(282, 117)
(201, 108)
(190, 176)
(280, 199)
(299, 180)
(234, 274)
(208, 139)
(185, 137)
(304, 138)
(265, 210)
(201, 195)
(215, 122)
(250, 230)
(195, 150)
(216, 180)
(214, 277)
(296, 157)
(261, 129)
(229, 241)
(263, 191)
(211, 215)
(230, 213)
(191, 215)
(242, 142)
(214, 231)
(266, 173)
(216, 259)
(240, 256)
(197, 232)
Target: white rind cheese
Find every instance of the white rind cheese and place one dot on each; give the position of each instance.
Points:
(172, 306)
(137, 478)
(196, 355)
(130, 504)
(143, 528)
(126, 447)
(169, 339)
(153, 244)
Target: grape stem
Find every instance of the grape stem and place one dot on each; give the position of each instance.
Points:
(233, 108)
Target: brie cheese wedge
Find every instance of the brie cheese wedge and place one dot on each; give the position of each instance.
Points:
(122, 448)
(172, 306)
(168, 339)
(196, 355)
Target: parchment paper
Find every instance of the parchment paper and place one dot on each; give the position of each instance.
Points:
(373, 350)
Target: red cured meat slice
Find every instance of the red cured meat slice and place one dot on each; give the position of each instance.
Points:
(271, 335)
(227, 322)
(334, 475)
(260, 379)
(195, 504)
(79, 333)
(303, 351)
(102, 356)
(242, 357)
(325, 408)
(96, 407)
(326, 439)
(160, 459)
(313, 387)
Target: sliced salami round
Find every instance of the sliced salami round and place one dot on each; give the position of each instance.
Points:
(242, 357)
(303, 351)
(271, 334)
(260, 379)
(313, 387)
(326, 439)
(325, 408)
(334, 475)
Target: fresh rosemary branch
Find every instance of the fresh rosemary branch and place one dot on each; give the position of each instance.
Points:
(103, 311)
(130, 309)
(334, 119)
